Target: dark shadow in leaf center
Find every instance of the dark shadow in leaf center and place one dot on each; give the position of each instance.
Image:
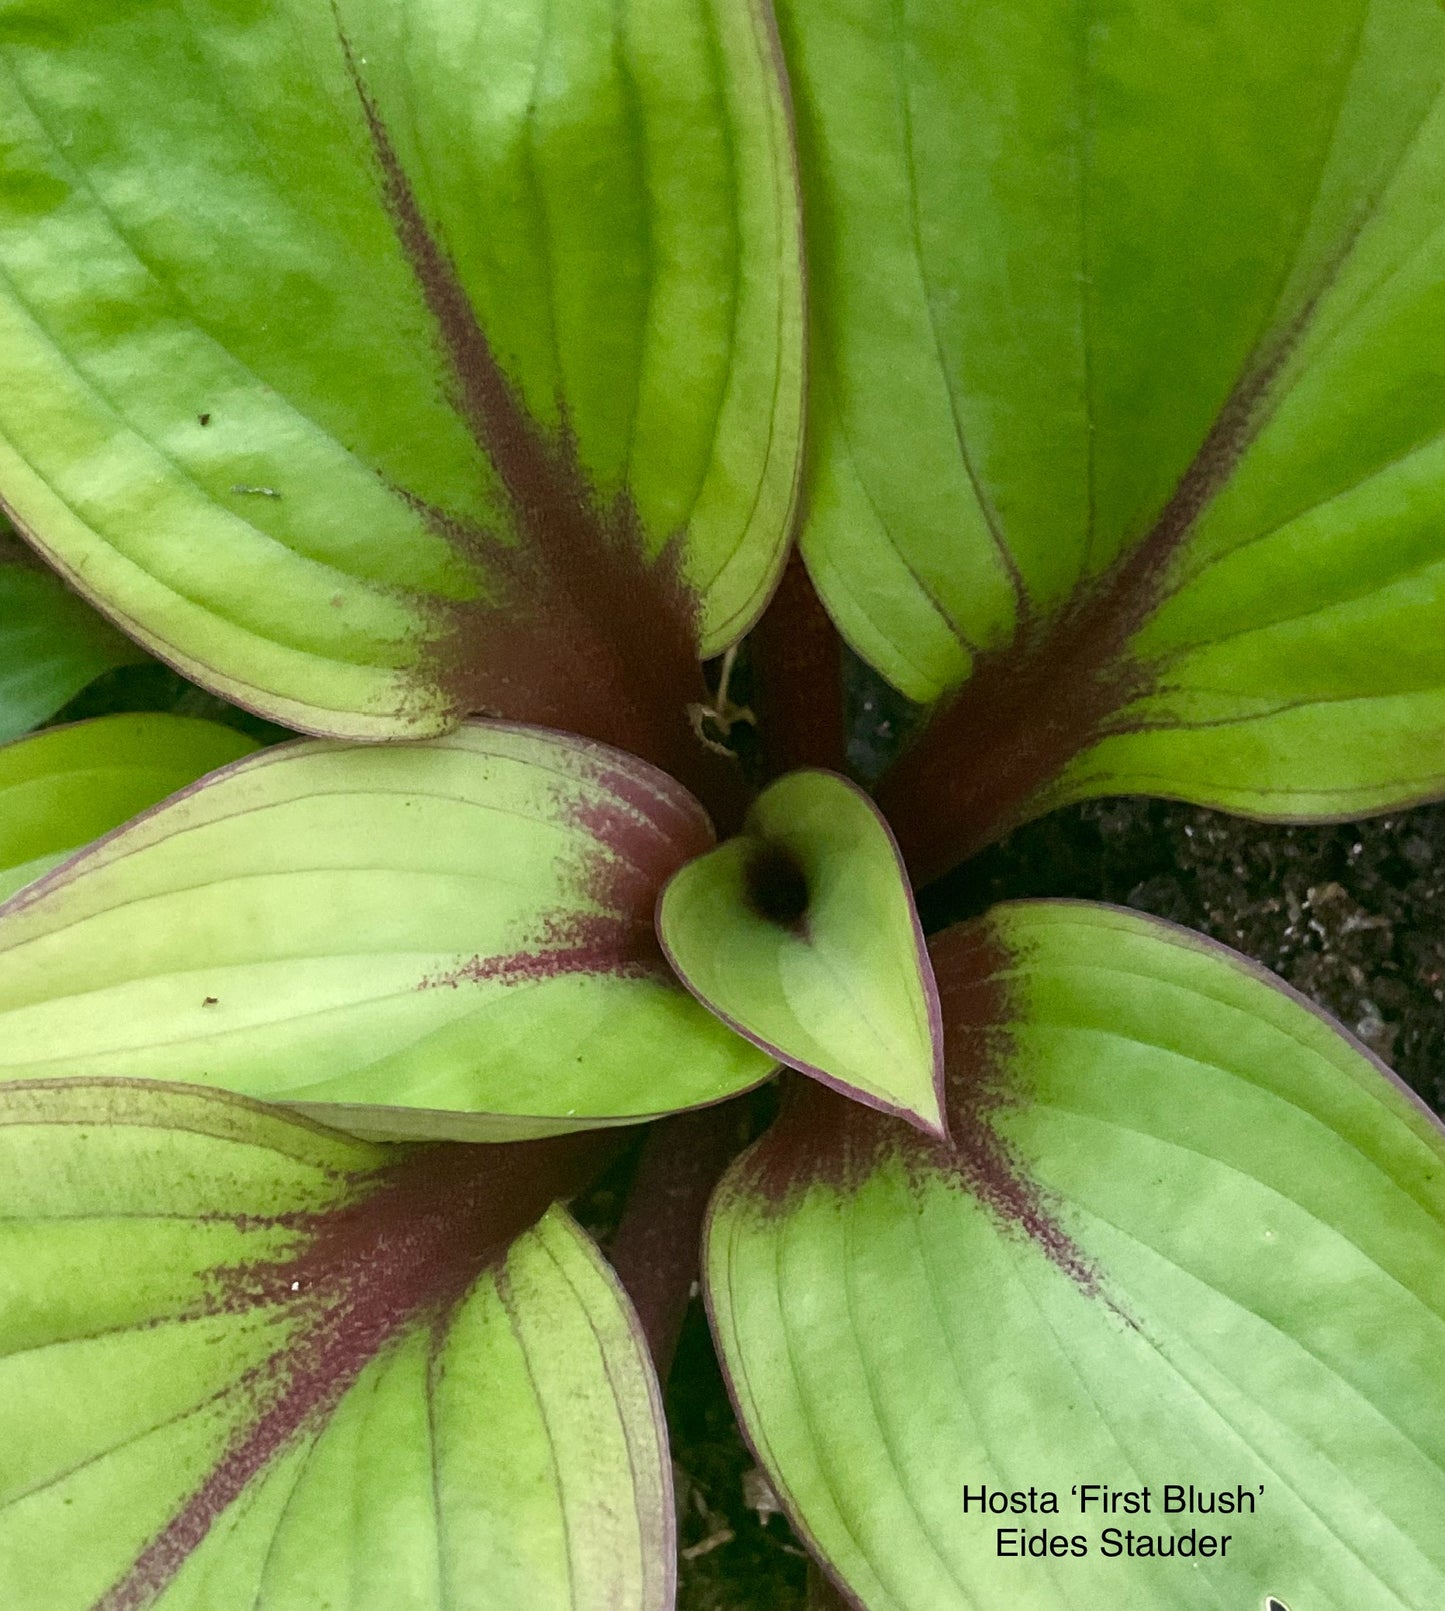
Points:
(775, 884)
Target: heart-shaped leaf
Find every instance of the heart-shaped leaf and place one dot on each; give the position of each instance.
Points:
(65, 787)
(1187, 1234)
(802, 934)
(247, 1362)
(1140, 459)
(450, 938)
(355, 357)
(51, 645)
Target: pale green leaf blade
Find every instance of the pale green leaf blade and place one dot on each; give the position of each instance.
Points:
(350, 354)
(250, 1362)
(1188, 1232)
(447, 938)
(1138, 461)
(62, 788)
(802, 934)
(51, 646)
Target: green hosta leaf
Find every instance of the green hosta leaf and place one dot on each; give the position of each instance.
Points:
(450, 938)
(802, 934)
(51, 646)
(246, 1362)
(1164, 322)
(352, 355)
(61, 789)
(1188, 1233)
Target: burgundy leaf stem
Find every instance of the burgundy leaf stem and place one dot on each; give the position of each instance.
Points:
(657, 1246)
(797, 663)
(798, 692)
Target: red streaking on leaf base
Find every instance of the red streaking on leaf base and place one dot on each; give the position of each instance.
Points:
(822, 1138)
(403, 1251)
(638, 835)
(579, 629)
(1064, 681)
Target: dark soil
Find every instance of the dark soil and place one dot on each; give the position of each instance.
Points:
(1352, 914)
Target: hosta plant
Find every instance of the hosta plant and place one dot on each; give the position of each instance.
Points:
(447, 381)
